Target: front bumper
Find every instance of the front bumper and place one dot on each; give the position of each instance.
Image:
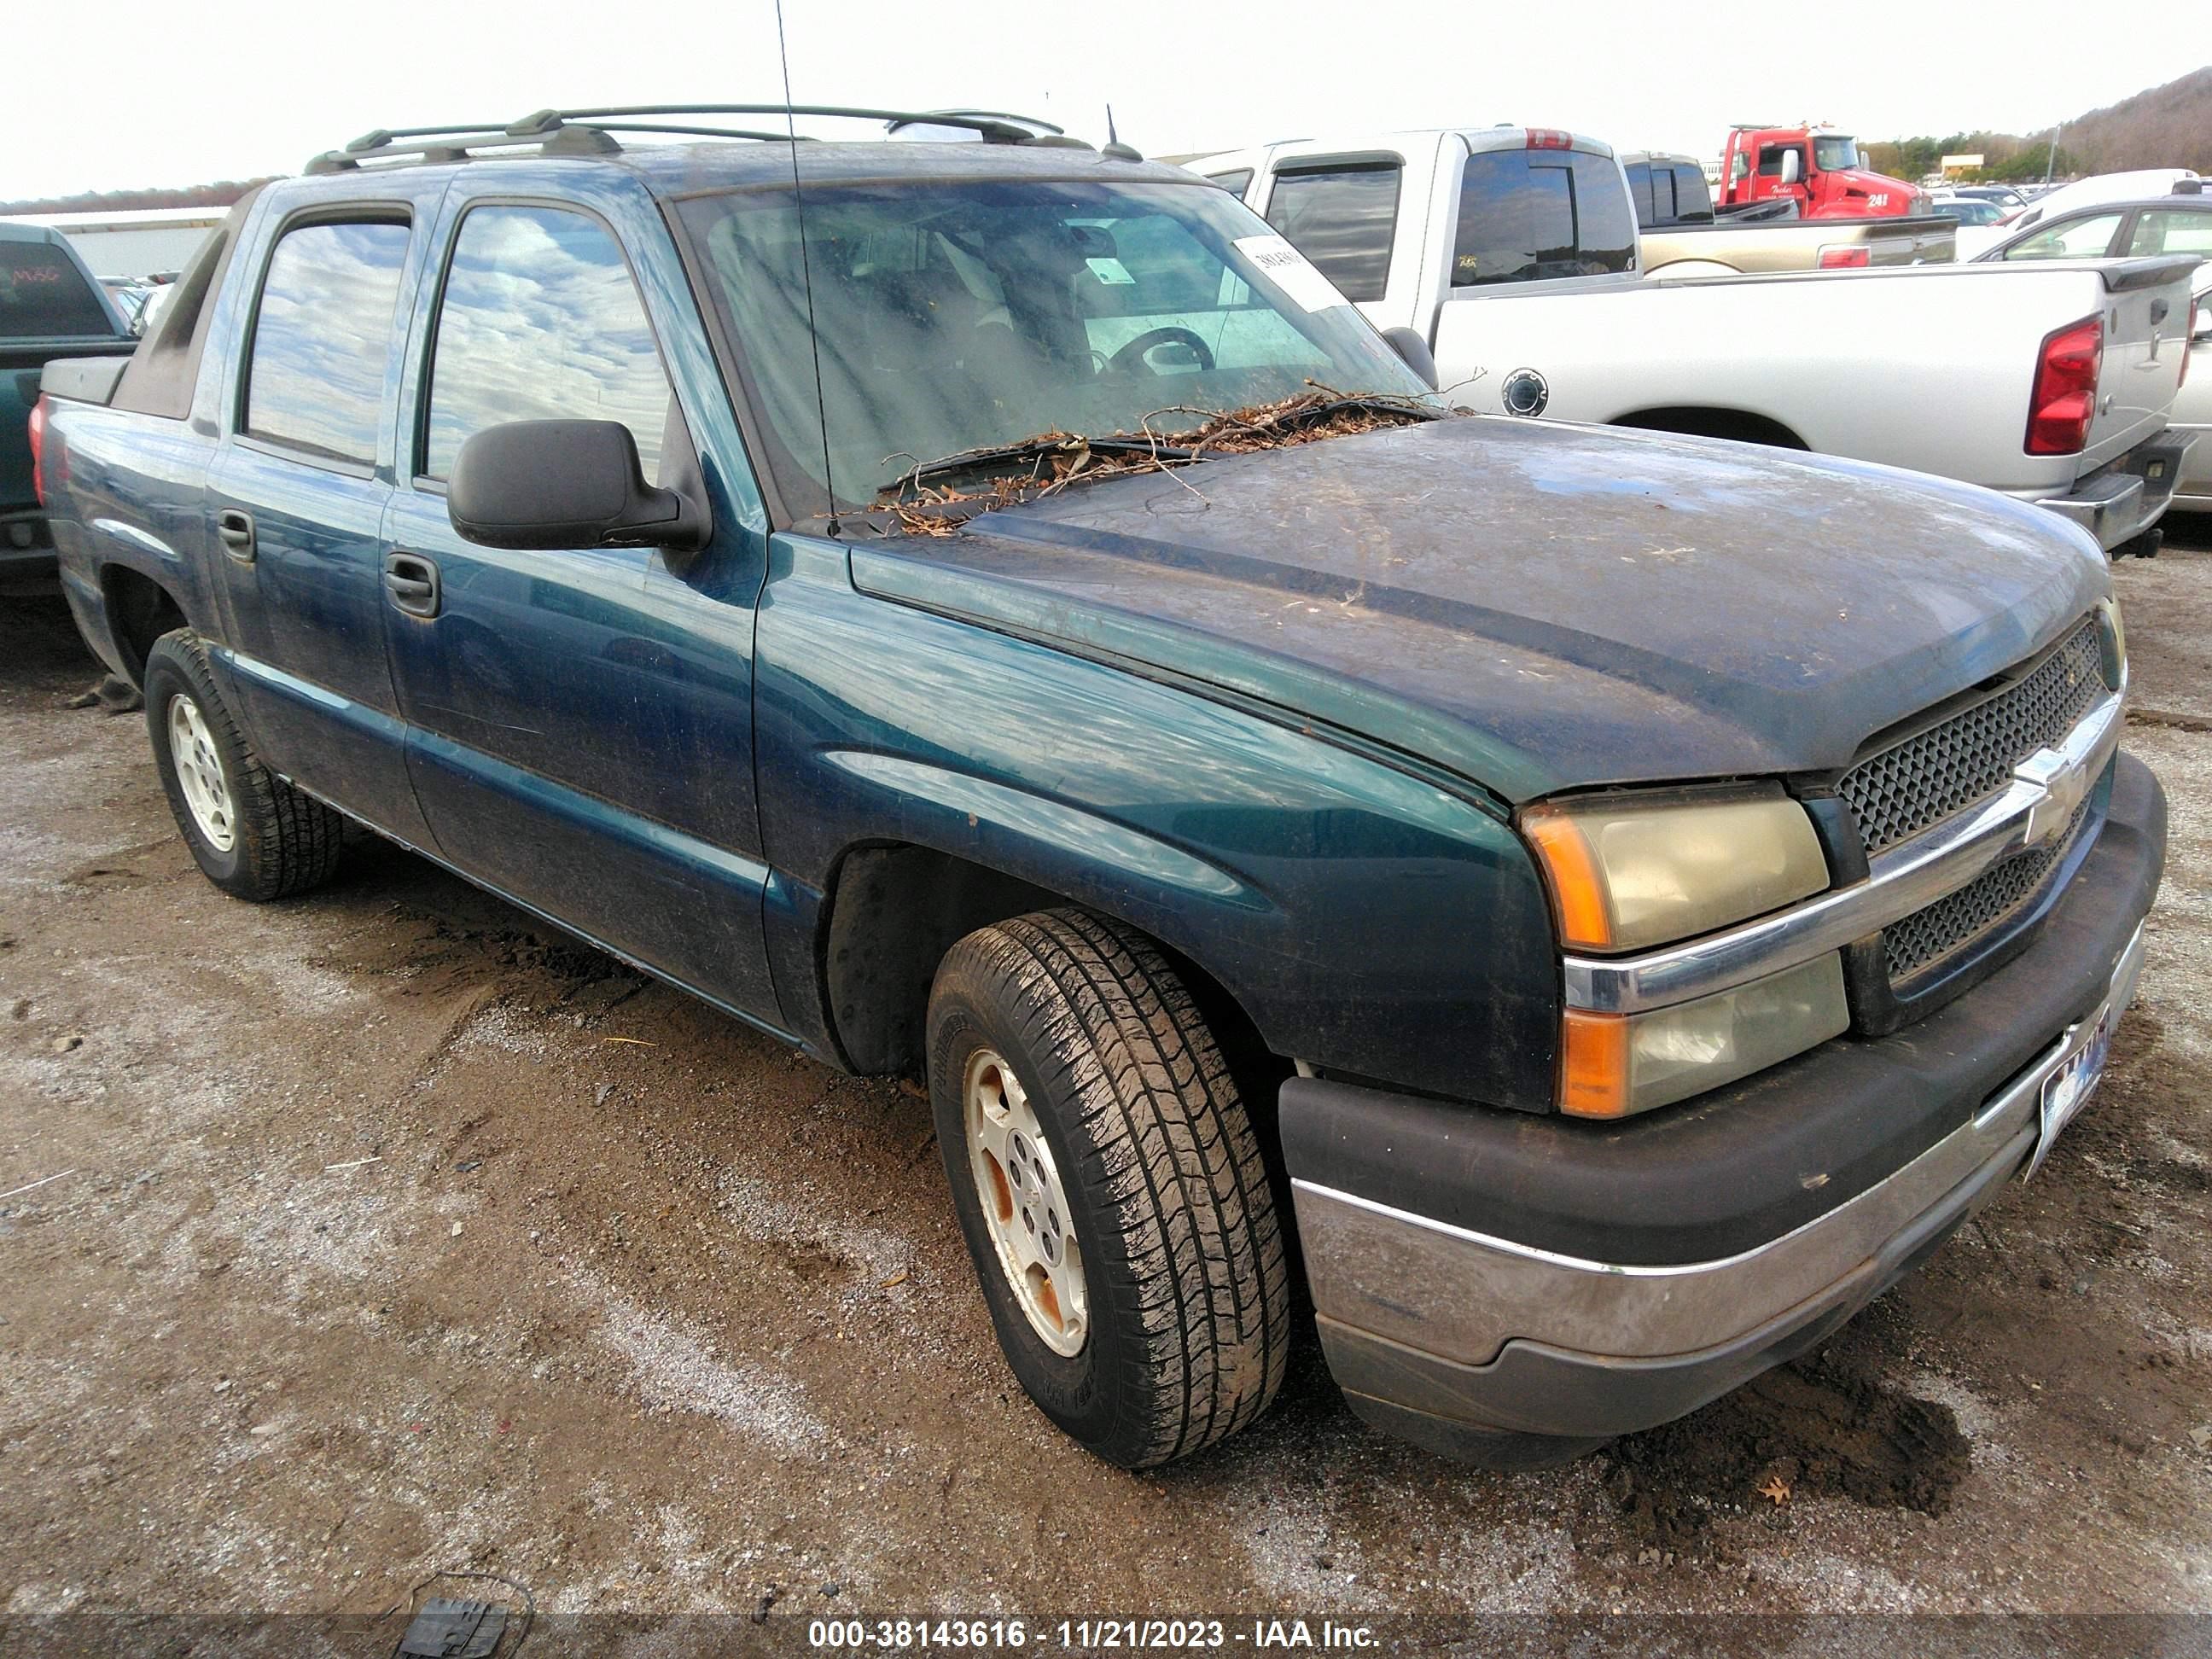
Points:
(2126, 497)
(1478, 1276)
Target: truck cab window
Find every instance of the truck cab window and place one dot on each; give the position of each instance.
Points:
(42, 295)
(1694, 201)
(322, 338)
(1235, 183)
(540, 321)
(1341, 219)
(1769, 160)
(1528, 214)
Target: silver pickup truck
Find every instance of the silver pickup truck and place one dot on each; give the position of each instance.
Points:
(1680, 235)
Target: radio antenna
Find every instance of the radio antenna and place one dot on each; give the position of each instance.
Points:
(806, 272)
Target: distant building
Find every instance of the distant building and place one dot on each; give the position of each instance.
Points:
(134, 241)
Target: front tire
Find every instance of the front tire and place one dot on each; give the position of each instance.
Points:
(253, 834)
(1109, 1185)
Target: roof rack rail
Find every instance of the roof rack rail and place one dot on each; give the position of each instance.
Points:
(588, 132)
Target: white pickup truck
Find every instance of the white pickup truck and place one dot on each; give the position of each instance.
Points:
(1512, 253)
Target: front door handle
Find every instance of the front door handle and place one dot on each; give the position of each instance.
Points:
(235, 530)
(412, 581)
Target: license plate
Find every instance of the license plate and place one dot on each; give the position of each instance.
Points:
(2067, 1090)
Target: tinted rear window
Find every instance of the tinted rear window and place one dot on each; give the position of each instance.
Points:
(1529, 215)
(322, 338)
(1342, 220)
(1693, 197)
(42, 293)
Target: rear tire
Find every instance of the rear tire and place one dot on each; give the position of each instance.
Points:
(253, 834)
(1134, 1264)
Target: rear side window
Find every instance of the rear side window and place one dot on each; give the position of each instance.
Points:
(541, 322)
(2158, 232)
(1639, 192)
(1693, 198)
(1525, 215)
(322, 338)
(42, 293)
(1342, 219)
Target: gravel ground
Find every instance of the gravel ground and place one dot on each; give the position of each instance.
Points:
(379, 1231)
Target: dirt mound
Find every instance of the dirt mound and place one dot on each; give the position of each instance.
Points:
(1817, 1426)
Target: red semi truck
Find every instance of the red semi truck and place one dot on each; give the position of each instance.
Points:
(1818, 168)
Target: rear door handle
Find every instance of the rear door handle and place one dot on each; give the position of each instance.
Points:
(412, 581)
(235, 530)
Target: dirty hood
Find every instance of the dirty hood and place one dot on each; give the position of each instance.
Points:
(1534, 605)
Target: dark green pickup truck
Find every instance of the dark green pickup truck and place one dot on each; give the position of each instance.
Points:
(50, 308)
(1601, 905)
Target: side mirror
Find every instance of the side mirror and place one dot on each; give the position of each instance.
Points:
(1415, 350)
(564, 483)
(1793, 167)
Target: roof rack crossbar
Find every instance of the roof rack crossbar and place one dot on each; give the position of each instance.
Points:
(384, 136)
(759, 135)
(996, 125)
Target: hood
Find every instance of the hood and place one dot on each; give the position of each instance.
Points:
(1534, 605)
(1854, 191)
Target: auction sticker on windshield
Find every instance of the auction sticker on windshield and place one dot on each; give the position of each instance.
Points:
(1291, 271)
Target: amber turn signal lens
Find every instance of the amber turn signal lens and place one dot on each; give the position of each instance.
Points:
(1585, 919)
(1594, 1065)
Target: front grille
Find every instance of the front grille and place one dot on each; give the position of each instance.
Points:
(1912, 785)
(1958, 919)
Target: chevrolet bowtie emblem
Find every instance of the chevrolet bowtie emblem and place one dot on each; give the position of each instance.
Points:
(2064, 783)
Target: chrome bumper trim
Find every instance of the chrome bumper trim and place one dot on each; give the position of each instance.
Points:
(1462, 1295)
(2039, 802)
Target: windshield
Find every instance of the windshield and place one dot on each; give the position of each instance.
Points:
(1835, 154)
(966, 315)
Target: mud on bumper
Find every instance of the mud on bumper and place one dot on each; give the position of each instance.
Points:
(1512, 1289)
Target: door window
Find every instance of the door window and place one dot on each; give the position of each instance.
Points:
(1235, 183)
(1342, 219)
(1529, 215)
(322, 338)
(540, 321)
(2075, 238)
(2162, 232)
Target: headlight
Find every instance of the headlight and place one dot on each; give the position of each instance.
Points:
(1616, 1064)
(1628, 872)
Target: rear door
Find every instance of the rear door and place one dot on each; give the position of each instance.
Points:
(581, 721)
(298, 489)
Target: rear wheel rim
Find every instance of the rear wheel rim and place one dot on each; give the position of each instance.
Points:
(1025, 1205)
(200, 775)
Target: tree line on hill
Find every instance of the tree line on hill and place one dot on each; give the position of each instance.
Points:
(220, 195)
(2168, 126)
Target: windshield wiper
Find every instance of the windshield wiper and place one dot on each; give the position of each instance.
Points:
(1028, 449)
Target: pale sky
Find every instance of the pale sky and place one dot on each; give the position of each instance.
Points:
(183, 92)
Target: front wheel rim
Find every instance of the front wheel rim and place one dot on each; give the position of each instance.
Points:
(200, 775)
(1024, 1204)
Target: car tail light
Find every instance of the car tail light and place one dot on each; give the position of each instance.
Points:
(2064, 401)
(1844, 258)
(1550, 138)
(38, 450)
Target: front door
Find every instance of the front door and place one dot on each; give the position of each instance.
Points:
(298, 502)
(580, 721)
